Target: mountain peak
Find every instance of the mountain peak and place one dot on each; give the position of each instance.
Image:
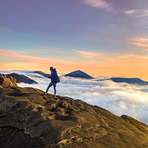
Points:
(79, 74)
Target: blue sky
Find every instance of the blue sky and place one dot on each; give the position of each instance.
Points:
(58, 28)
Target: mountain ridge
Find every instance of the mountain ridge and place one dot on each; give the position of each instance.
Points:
(79, 74)
(129, 80)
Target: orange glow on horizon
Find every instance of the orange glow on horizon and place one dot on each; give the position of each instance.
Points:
(125, 66)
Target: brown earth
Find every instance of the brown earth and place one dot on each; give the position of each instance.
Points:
(30, 119)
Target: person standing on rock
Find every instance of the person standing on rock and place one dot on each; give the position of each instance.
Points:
(54, 80)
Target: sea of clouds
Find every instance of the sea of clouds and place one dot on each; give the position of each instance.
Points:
(119, 98)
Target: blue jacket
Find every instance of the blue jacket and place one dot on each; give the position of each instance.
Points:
(54, 76)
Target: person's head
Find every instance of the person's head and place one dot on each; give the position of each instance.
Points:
(51, 68)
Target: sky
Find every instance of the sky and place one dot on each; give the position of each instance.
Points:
(101, 37)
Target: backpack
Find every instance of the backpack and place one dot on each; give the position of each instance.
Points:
(56, 77)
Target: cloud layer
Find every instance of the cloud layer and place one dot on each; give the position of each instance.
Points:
(140, 42)
(118, 98)
(103, 4)
(87, 54)
(137, 12)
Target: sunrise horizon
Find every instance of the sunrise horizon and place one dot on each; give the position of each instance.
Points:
(100, 37)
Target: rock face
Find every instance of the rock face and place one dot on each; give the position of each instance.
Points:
(129, 80)
(7, 81)
(79, 74)
(20, 78)
(29, 119)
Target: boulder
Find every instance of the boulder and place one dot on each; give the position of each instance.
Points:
(7, 81)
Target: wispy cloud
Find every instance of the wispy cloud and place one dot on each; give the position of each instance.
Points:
(23, 57)
(130, 12)
(86, 54)
(137, 12)
(103, 4)
(19, 61)
(27, 60)
(101, 64)
(5, 29)
(19, 56)
(140, 42)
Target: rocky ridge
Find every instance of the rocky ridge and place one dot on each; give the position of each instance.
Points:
(28, 119)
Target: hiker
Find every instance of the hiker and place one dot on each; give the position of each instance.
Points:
(54, 80)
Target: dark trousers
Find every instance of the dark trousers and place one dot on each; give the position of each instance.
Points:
(54, 87)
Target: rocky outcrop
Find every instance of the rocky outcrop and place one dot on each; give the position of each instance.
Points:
(7, 81)
(30, 119)
(19, 78)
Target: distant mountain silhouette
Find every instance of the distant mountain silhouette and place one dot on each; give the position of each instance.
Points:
(42, 73)
(129, 80)
(79, 74)
(20, 78)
